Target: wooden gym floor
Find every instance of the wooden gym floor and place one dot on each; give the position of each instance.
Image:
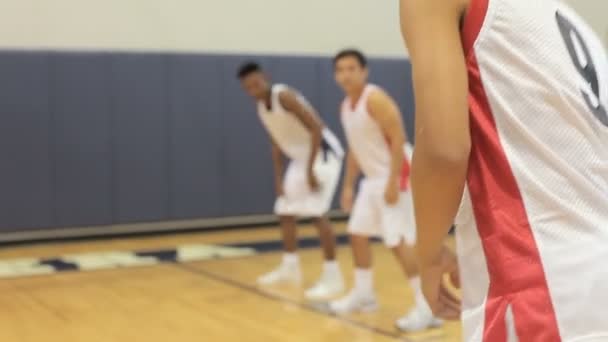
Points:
(209, 300)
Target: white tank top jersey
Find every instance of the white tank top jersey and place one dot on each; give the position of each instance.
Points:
(292, 137)
(533, 229)
(367, 142)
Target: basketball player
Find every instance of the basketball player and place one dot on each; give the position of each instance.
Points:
(511, 104)
(307, 186)
(383, 206)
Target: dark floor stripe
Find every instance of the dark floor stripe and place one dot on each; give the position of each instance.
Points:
(165, 256)
(303, 243)
(59, 265)
(308, 307)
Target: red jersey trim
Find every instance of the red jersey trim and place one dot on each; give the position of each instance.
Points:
(517, 276)
(516, 271)
(404, 181)
(404, 177)
(473, 22)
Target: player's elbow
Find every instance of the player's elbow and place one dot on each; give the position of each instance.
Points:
(444, 153)
(315, 129)
(316, 136)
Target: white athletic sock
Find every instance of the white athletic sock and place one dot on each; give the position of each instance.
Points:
(331, 267)
(291, 259)
(419, 298)
(364, 281)
(416, 285)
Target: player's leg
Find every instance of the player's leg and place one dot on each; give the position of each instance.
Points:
(362, 297)
(406, 257)
(420, 317)
(289, 234)
(289, 269)
(291, 260)
(330, 283)
(326, 237)
(362, 255)
(327, 169)
(399, 232)
(361, 225)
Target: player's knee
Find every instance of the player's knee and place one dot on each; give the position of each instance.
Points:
(286, 220)
(358, 239)
(321, 221)
(401, 248)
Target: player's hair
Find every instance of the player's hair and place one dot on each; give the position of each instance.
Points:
(248, 68)
(357, 54)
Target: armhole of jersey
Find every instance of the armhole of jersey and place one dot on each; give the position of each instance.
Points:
(472, 24)
(277, 89)
(368, 92)
(344, 106)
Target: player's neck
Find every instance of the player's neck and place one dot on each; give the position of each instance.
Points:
(356, 94)
(268, 98)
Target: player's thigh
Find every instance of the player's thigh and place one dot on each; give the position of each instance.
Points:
(293, 191)
(308, 203)
(398, 221)
(328, 172)
(295, 183)
(365, 215)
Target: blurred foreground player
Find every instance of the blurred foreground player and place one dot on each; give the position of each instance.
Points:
(511, 104)
(383, 206)
(307, 186)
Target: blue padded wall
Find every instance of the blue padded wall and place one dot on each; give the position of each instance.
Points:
(111, 137)
(196, 147)
(26, 167)
(82, 139)
(141, 137)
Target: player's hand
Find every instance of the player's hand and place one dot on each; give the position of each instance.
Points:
(444, 303)
(346, 200)
(391, 194)
(313, 182)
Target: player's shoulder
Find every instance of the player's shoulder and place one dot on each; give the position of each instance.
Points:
(290, 98)
(376, 92)
(285, 92)
(378, 96)
(281, 88)
(432, 4)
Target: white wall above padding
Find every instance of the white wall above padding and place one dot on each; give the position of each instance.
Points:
(235, 26)
(595, 13)
(266, 26)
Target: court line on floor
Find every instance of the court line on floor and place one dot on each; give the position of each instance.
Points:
(277, 298)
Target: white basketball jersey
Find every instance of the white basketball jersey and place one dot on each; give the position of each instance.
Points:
(533, 230)
(292, 137)
(366, 140)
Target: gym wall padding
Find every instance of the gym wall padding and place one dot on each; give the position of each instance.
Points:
(81, 142)
(140, 134)
(99, 138)
(196, 145)
(27, 166)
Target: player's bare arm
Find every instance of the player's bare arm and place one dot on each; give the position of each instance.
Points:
(311, 121)
(386, 113)
(431, 32)
(351, 174)
(278, 165)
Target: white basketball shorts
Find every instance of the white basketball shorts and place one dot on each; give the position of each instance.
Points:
(372, 216)
(299, 200)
